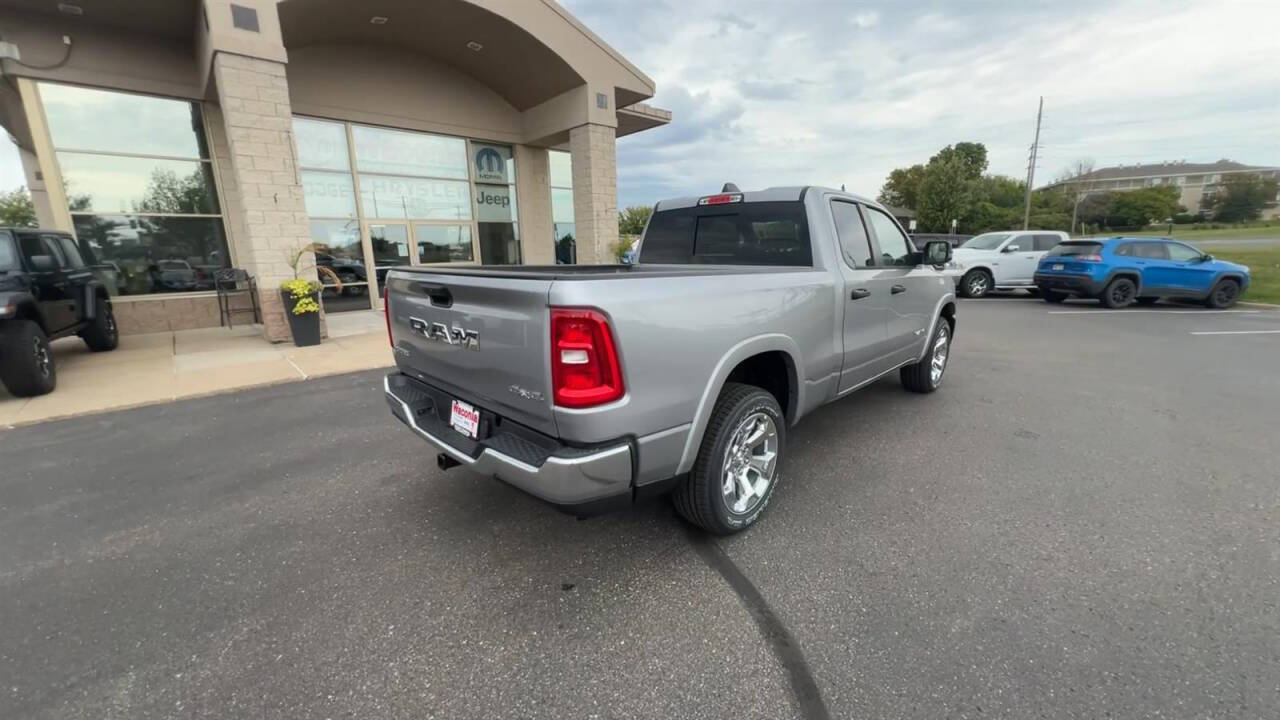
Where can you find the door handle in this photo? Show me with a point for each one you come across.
(898, 289)
(1139, 262)
(859, 294)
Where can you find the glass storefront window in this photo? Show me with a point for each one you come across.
(86, 119)
(137, 255)
(337, 247)
(443, 243)
(328, 194)
(561, 168)
(390, 247)
(121, 184)
(499, 244)
(400, 152)
(383, 196)
(138, 176)
(321, 145)
(562, 207)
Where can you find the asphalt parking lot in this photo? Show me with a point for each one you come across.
(1083, 522)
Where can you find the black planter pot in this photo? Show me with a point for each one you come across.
(305, 327)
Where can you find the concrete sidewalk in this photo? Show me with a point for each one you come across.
(161, 367)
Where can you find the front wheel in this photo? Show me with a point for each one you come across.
(1119, 293)
(26, 362)
(1224, 295)
(736, 471)
(926, 375)
(976, 284)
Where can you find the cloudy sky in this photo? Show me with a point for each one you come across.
(827, 92)
(841, 92)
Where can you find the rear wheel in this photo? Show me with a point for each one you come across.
(976, 283)
(26, 362)
(736, 471)
(926, 375)
(1052, 297)
(1119, 293)
(102, 334)
(1224, 295)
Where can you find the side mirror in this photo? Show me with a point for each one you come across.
(1206, 258)
(1011, 248)
(43, 263)
(937, 252)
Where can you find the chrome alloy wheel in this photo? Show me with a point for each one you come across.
(750, 461)
(938, 363)
(41, 353)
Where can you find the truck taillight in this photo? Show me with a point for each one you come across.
(584, 360)
(386, 313)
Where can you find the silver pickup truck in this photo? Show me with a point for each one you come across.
(593, 386)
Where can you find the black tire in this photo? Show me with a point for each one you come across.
(919, 377)
(1050, 296)
(26, 362)
(102, 334)
(1224, 294)
(1119, 293)
(976, 284)
(700, 498)
(1148, 301)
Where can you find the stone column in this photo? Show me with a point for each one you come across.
(533, 202)
(267, 217)
(595, 192)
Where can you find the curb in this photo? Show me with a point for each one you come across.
(1269, 306)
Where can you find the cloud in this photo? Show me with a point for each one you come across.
(866, 20)
(832, 93)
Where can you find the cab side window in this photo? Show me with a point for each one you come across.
(1182, 253)
(69, 251)
(1045, 243)
(895, 249)
(854, 243)
(33, 245)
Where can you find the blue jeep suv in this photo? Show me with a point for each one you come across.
(1120, 271)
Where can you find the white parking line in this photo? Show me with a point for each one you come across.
(1237, 332)
(1107, 313)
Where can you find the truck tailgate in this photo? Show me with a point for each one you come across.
(484, 339)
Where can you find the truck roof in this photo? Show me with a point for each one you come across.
(772, 194)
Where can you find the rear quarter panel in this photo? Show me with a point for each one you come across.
(678, 338)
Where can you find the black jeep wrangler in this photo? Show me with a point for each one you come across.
(46, 292)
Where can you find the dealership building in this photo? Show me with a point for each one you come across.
(178, 137)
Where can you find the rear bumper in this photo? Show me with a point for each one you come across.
(577, 480)
(1078, 284)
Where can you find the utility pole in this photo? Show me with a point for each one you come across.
(1031, 167)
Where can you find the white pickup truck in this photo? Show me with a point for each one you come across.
(1001, 260)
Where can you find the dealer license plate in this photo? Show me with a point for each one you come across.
(1058, 266)
(465, 419)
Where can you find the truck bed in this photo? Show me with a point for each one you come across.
(559, 273)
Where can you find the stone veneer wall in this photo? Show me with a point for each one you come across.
(595, 192)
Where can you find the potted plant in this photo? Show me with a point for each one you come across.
(301, 300)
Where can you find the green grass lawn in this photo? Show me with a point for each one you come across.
(1270, 231)
(1264, 271)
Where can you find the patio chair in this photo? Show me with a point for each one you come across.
(232, 283)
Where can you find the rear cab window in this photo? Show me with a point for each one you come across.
(748, 233)
(1073, 249)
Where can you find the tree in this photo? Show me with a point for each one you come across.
(1136, 208)
(944, 194)
(631, 220)
(168, 193)
(16, 208)
(1072, 181)
(1242, 197)
(972, 156)
(902, 187)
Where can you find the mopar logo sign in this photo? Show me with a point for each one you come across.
(491, 163)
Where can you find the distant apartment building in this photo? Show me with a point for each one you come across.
(1195, 181)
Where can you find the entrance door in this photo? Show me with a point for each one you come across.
(389, 242)
(342, 257)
